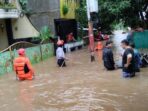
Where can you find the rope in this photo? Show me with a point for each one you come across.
(15, 44)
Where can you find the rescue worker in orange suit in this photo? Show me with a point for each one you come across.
(23, 67)
(99, 46)
(99, 49)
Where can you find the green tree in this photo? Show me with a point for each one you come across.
(113, 12)
(45, 33)
(81, 14)
(81, 17)
(23, 4)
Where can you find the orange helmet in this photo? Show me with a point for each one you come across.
(100, 45)
(21, 51)
(60, 42)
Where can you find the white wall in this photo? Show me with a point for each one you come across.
(22, 28)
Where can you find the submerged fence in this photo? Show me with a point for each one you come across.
(36, 53)
(141, 39)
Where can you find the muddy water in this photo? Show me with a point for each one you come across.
(82, 86)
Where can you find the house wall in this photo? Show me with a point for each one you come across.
(43, 13)
(3, 36)
(22, 28)
(72, 5)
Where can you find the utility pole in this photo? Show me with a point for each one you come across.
(92, 6)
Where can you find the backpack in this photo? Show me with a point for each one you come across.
(26, 69)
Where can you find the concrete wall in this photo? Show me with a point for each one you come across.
(43, 13)
(33, 53)
(3, 36)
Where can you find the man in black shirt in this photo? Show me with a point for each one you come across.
(108, 58)
(128, 62)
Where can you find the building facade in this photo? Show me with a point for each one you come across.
(17, 26)
(13, 25)
(43, 13)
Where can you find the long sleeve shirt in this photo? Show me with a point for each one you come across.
(60, 53)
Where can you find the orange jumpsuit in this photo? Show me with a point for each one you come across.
(99, 48)
(19, 64)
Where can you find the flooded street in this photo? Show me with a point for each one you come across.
(82, 86)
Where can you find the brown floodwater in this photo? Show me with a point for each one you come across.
(82, 86)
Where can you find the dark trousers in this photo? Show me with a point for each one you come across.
(109, 66)
(61, 63)
(92, 58)
(128, 75)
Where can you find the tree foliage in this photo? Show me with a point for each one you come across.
(45, 33)
(115, 11)
(81, 14)
(23, 4)
(81, 17)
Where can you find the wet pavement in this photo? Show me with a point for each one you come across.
(82, 86)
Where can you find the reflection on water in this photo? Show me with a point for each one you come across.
(82, 86)
(26, 96)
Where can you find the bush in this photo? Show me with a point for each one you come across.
(45, 33)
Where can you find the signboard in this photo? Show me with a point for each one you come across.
(93, 5)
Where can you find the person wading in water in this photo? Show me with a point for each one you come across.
(23, 67)
(60, 55)
(128, 62)
(108, 57)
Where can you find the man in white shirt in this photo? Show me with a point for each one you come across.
(60, 55)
